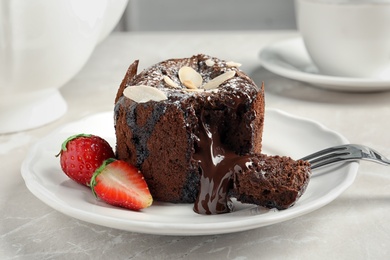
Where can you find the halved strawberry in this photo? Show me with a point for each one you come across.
(121, 184)
(82, 154)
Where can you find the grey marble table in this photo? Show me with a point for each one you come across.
(354, 226)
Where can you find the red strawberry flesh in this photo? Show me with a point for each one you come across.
(121, 184)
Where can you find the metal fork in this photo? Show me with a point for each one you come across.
(347, 152)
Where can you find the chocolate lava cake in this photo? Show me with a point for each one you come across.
(202, 122)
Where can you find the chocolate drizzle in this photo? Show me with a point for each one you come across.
(142, 132)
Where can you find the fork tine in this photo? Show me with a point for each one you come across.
(323, 152)
(328, 161)
(328, 157)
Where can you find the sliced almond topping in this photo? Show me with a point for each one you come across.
(210, 62)
(187, 75)
(189, 84)
(215, 82)
(170, 82)
(143, 93)
(233, 64)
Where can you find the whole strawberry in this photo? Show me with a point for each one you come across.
(82, 154)
(121, 184)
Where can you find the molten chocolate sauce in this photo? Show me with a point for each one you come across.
(218, 165)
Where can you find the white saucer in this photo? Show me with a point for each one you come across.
(284, 134)
(289, 58)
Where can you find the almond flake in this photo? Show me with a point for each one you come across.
(233, 64)
(143, 93)
(170, 82)
(215, 82)
(188, 74)
(210, 62)
(189, 84)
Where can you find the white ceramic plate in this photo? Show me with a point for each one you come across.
(284, 134)
(289, 58)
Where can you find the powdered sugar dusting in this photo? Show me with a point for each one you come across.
(165, 76)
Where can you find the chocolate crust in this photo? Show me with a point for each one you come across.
(130, 73)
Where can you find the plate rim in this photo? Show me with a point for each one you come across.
(349, 84)
(177, 228)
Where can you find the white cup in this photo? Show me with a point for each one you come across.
(43, 44)
(347, 38)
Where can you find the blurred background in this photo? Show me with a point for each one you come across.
(179, 15)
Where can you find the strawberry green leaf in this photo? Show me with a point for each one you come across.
(65, 143)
